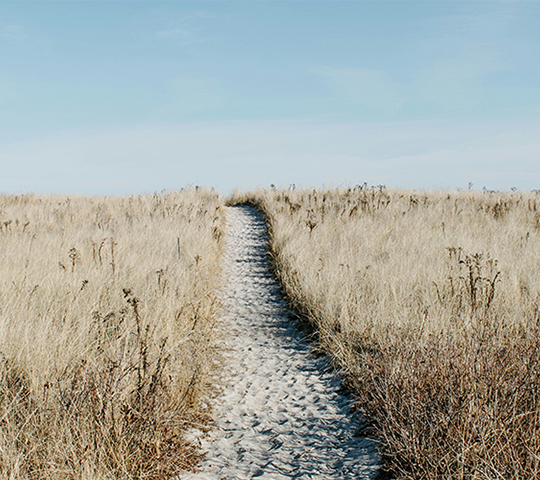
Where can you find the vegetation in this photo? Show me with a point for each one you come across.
(108, 311)
(430, 304)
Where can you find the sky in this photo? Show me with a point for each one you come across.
(127, 97)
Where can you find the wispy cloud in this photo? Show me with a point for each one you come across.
(185, 31)
(369, 88)
(482, 22)
(8, 91)
(24, 38)
(15, 34)
(472, 46)
(181, 36)
(191, 95)
(456, 81)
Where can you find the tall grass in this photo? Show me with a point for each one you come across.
(430, 303)
(107, 316)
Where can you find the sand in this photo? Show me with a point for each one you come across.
(280, 414)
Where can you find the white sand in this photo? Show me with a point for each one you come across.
(280, 414)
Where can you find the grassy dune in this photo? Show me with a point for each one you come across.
(430, 303)
(107, 315)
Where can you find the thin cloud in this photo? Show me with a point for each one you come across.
(180, 36)
(370, 88)
(188, 95)
(24, 38)
(456, 82)
(473, 46)
(184, 31)
(8, 92)
(15, 34)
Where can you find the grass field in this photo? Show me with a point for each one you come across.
(107, 316)
(430, 303)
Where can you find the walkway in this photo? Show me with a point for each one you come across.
(280, 415)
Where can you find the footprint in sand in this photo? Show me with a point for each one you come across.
(280, 415)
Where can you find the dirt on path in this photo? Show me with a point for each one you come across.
(280, 414)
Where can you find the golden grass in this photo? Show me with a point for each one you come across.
(108, 309)
(430, 303)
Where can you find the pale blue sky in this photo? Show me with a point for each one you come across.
(121, 97)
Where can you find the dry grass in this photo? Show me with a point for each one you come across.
(430, 303)
(108, 308)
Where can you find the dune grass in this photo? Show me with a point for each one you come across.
(430, 304)
(108, 309)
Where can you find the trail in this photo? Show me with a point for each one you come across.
(280, 415)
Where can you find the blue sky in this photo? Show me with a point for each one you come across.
(122, 97)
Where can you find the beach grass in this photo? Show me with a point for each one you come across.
(108, 313)
(429, 302)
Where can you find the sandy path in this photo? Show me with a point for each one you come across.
(280, 414)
